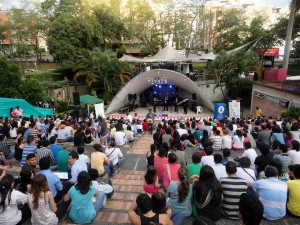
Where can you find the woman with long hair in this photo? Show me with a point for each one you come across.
(102, 130)
(41, 202)
(52, 130)
(13, 130)
(287, 135)
(204, 140)
(151, 184)
(207, 193)
(19, 148)
(170, 170)
(10, 199)
(84, 206)
(12, 113)
(238, 140)
(180, 194)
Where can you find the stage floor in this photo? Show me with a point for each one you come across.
(160, 114)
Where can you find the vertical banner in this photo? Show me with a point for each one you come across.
(220, 111)
(234, 108)
(99, 110)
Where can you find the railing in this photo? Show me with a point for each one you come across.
(291, 88)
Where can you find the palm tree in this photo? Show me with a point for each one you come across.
(102, 70)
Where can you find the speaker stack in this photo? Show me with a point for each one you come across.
(76, 98)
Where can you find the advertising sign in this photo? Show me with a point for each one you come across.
(220, 111)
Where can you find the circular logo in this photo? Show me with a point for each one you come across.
(221, 109)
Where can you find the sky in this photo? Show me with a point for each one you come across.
(280, 3)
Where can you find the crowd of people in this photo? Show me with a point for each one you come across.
(249, 187)
(212, 186)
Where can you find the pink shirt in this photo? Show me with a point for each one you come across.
(159, 163)
(173, 172)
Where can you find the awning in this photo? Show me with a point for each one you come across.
(89, 99)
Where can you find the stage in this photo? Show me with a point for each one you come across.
(167, 115)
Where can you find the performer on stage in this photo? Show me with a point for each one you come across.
(155, 101)
(185, 106)
(150, 120)
(166, 104)
(176, 104)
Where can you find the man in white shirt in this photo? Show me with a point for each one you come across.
(250, 153)
(62, 133)
(69, 131)
(120, 137)
(77, 166)
(208, 159)
(181, 130)
(129, 117)
(219, 168)
(114, 155)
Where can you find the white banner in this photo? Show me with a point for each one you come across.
(234, 109)
(99, 110)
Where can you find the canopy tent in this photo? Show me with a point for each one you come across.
(7, 103)
(169, 54)
(89, 100)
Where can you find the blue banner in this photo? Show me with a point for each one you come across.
(220, 111)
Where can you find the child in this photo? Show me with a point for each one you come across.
(41, 202)
(226, 156)
(151, 184)
(82, 156)
(105, 186)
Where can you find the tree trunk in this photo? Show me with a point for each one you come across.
(289, 35)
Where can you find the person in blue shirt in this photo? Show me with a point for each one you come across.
(54, 147)
(83, 208)
(198, 134)
(53, 180)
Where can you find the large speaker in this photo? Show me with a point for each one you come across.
(76, 98)
(194, 96)
(233, 91)
(129, 96)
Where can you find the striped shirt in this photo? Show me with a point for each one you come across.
(273, 195)
(5, 147)
(45, 152)
(232, 188)
(26, 151)
(216, 142)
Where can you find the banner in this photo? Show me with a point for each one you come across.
(99, 110)
(234, 108)
(220, 111)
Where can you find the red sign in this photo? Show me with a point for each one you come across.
(269, 52)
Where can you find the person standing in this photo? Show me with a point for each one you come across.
(150, 120)
(258, 112)
(19, 112)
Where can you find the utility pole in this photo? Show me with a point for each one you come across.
(289, 35)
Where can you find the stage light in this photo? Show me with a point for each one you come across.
(170, 86)
(156, 85)
(154, 92)
(159, 86)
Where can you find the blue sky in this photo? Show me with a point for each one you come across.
(280, 3)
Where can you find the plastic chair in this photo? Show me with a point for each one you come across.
(199, 109)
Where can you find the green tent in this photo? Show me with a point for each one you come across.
(89, 99)
(7, 103)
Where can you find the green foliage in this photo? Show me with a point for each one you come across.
(291, 112)
(62, 107)
(74, 30)
(227, 68)
(102, 71)
(14, 85)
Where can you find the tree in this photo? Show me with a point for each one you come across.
(228, 67)
(102, 71)
(74, 30)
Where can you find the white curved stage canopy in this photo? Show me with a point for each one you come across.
(140, 83)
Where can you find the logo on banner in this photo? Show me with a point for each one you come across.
(220, 111)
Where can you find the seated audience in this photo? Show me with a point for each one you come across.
(105, 186)
(250, 210)
(63, 157)
(272, 194)
(208, 159)
(82, 156)
(29, 148)
(293, 205)
(195, 167)
(159, 161)
(294, 154)
(83, 208)
(170, 170)
(54, 147)
(114, 155)
(219, 168)
(151, 184)
(100, 162)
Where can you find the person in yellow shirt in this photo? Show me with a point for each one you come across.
(258, 112)
(100, 162)
(293, 206)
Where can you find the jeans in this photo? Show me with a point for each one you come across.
(121, 161)
(100, 199)
(11, 155)
(108, 167)
(178, 218)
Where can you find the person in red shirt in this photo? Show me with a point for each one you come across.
(145, 125)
